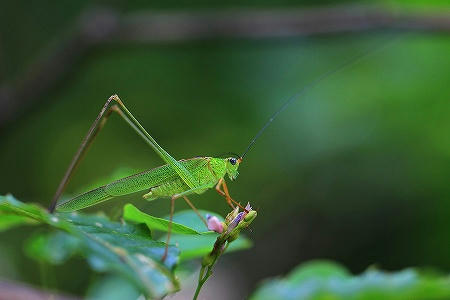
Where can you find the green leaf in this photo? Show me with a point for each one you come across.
(124, 249)
(185, 223)
(131, 213)
(55, 248)
(317, 269)
(199, 246)
(8, 221)
(190, 219)
(320, 280)
(112, 288)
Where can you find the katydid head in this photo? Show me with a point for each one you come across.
(232, 165)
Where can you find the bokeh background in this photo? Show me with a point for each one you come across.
(356, 170)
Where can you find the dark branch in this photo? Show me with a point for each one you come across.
(105, 26)
(157, 27)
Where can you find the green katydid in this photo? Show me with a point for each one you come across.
(175, 179)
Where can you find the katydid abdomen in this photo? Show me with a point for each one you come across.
(162, 181)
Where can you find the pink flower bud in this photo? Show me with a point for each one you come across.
(214, 224)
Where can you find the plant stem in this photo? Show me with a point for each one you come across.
(203, 277)
(201, 281)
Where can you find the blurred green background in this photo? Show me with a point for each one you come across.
(357, 170)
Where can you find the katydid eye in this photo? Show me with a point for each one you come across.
(233, 161)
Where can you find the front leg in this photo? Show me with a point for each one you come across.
(226, 194)
(222, 193)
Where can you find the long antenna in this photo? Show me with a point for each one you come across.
(309, 86)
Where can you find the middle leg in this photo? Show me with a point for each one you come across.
(172, 208)
(195, 210)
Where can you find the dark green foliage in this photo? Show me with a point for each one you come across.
(108, 246)
(53, 248)
(126, 249)
(324, 280)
